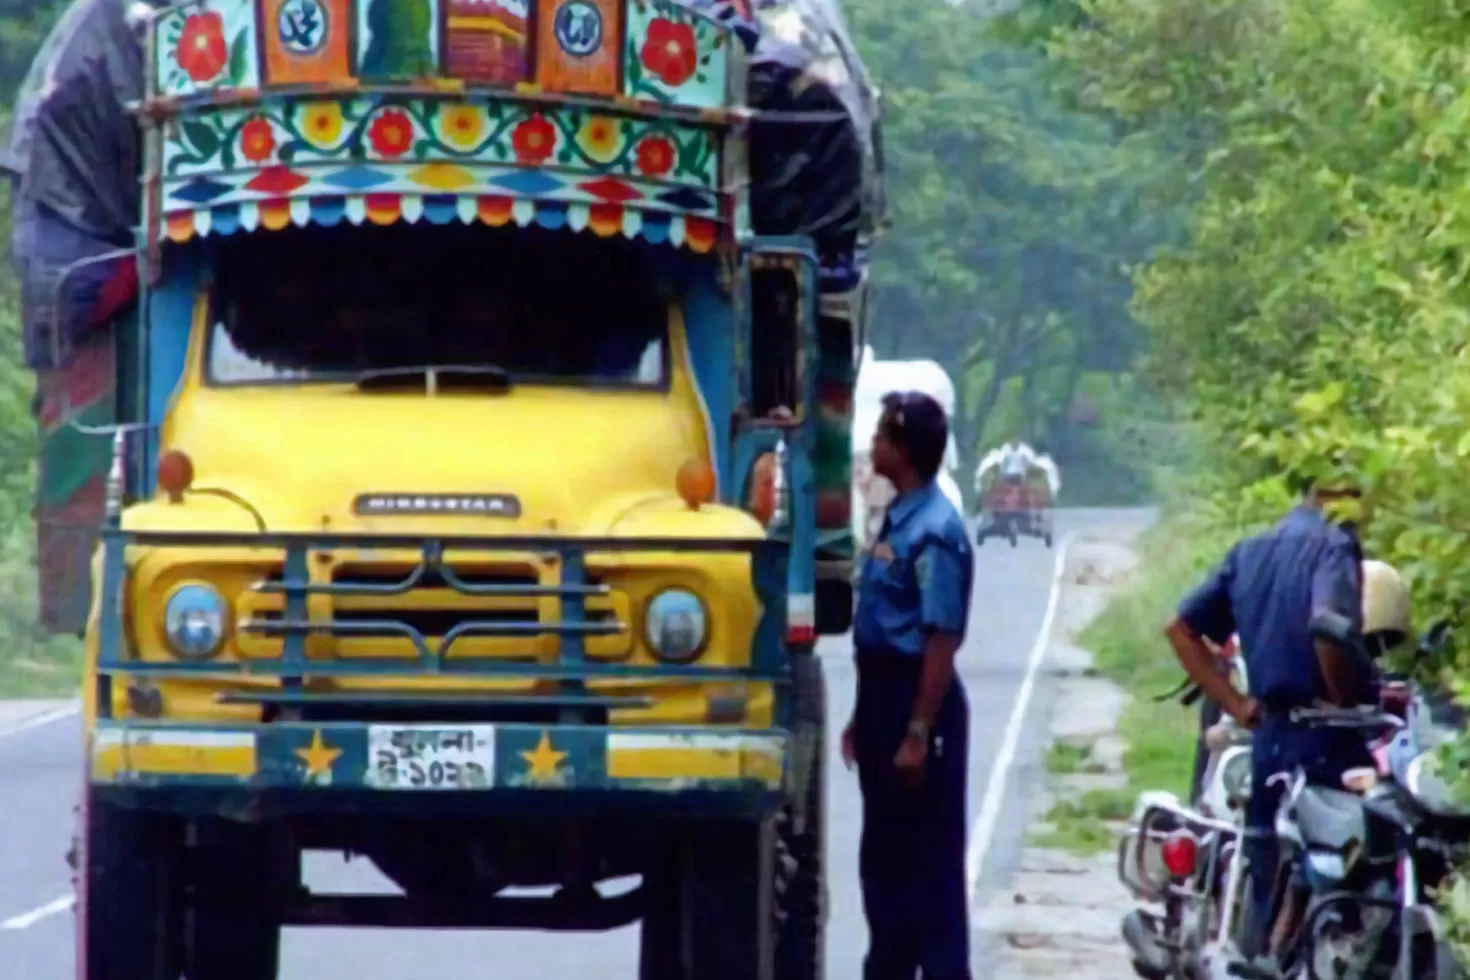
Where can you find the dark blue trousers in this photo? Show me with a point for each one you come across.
(1280, 747)
(912, 857)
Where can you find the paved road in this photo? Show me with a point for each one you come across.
(39, 779)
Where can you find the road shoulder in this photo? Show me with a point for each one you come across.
(1058, 912)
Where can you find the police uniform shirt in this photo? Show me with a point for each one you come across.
(1275, 590)
(916, 578)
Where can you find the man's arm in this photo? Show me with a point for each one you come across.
(1208, 612)
(1203, 668)
(1337, 627)
(943, 571)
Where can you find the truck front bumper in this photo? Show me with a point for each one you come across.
(302, 766)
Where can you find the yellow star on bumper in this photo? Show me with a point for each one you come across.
(545, 761)
(318, 756)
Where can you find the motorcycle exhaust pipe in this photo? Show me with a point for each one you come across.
(1149, 956)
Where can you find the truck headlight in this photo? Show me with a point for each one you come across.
(194, 621)
(676, 626)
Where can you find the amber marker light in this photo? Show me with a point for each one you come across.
(696, 483)
(175, 474)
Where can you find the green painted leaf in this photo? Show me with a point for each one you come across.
(201, 136)
(239, 67)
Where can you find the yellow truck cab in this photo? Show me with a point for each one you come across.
(454, 470)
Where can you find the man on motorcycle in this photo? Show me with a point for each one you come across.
(1293, 597)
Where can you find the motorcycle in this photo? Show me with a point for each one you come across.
(1185, 858)
(1374, 852)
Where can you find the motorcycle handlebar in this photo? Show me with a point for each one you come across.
(1358, 718)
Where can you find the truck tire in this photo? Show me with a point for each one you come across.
(127, 916)
(234, 920)
(801, 853)
(744, 900)
(709, 913)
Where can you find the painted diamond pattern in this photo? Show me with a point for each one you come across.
(686, 199)
(201, 190)
(357, 178)
(528, 182)
(611, 189)
(277, 180)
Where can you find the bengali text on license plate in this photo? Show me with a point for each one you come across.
(431, 757)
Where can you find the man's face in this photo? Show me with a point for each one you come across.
(888, 459)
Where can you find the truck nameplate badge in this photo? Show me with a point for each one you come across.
(437, 504)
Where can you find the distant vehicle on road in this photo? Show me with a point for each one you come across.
(1016, 486)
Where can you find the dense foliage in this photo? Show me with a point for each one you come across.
(1015, 219)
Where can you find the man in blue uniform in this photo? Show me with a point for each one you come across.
(909, 733)
(1293, 594)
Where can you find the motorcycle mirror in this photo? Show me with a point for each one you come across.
(1436, 638)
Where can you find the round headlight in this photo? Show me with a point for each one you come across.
(1236, 776)
(1425, 779)
(676, 625)
(194, 621)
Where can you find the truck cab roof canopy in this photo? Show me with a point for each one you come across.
(788, 66)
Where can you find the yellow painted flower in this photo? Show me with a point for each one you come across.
(462, 126)
(600, 138)
(321, 123)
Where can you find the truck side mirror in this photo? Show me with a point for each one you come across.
(778, 280)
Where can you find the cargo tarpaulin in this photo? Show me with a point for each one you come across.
(815, 151)
(73, 158)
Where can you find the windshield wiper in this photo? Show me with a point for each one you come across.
(432, 379)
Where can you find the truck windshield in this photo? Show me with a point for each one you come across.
(335, 304)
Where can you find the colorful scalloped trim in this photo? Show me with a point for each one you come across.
(605, 220)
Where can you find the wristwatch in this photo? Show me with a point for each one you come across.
(919, 730)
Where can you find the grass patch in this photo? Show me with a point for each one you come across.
(33, 663)
(1082, 825)
(1129, 649)
(1064, 759)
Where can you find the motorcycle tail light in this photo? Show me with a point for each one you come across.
(1180, 853)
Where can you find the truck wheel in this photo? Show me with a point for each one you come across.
(127, 916)
(234, 929)
(709, 914)
(800, 873)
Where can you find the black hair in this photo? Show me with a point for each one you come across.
(915, 422)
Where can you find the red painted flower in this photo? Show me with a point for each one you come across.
(391, 133)
(201, 51)
(655, 156)
(257, 140)
(669, 51)
(533, 140)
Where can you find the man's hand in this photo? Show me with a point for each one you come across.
(849, 747)
(1247, 712)
(910, 760)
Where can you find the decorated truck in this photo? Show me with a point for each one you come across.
(445, 412)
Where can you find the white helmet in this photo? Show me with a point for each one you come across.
(1385, 605)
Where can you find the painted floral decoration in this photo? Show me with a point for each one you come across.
(462, 126)
(670, 52)
(321, 123)
(600, 138)
(655, 156)
(257, 140)
(533, 140)
(391, 134)
(202, 52)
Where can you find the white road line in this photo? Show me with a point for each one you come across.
(995, 790)
(45, 718)
(28, 919)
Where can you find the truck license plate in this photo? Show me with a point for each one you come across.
(427, 757)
